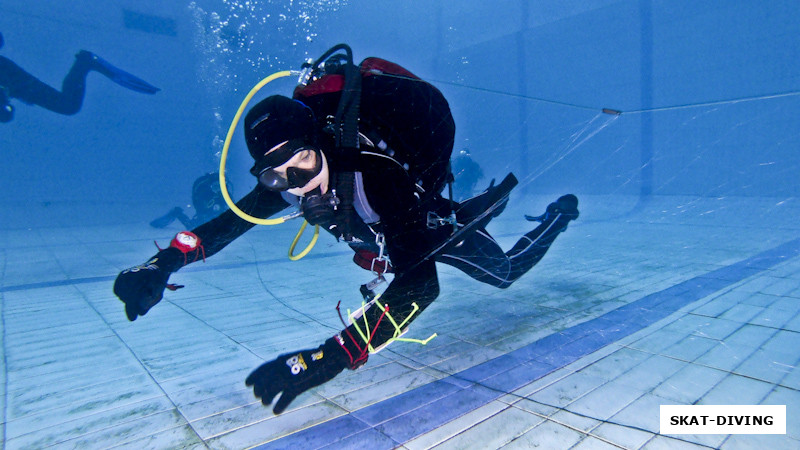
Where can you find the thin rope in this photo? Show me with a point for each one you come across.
(718, 102)
(511, 94)
(615, 111)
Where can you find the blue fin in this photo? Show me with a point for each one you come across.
(118, 75)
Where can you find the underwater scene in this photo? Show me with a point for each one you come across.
(400, 224)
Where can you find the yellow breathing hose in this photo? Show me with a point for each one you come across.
(297, 238)
(224, 157)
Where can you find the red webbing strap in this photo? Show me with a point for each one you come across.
(325, 85)
(372, 66)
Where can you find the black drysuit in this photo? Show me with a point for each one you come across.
(15, 82)
(414, 120)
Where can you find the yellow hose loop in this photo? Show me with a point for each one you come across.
(297, 238)
(226, 146)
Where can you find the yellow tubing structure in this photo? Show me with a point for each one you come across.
(223, 158)
(226, 146)
(297, 238)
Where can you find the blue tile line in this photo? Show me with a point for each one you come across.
(193, 268)
(421, 410)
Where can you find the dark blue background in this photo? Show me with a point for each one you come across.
(526, 81)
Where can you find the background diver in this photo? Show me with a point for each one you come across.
(388, 184)
(16, 83)
(466, 173)
(207, 201)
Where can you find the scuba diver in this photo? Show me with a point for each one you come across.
(466, 173)
(367, 160)
(16, 83)
(207, 201)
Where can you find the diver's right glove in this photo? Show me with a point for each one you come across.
(142, 287)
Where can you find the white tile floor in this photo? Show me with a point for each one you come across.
(77, 374)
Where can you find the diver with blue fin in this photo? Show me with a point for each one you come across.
(16, 83)
(363, 152)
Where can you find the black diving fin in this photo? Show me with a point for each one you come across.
(167, 218)
(492, 203)
(117, 75)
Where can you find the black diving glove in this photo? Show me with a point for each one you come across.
(142, 287)
(295, 373)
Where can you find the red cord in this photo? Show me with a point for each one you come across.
(364, 352)
(349, 355)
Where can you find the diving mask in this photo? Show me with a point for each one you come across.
(270, 177)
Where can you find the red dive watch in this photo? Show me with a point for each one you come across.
(188, 242)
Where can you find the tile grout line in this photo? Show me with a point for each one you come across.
(133, 353)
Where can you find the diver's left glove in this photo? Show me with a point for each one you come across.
(297, 372)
